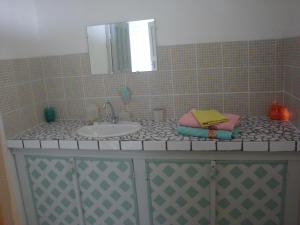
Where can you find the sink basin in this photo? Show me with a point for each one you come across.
(109, 130)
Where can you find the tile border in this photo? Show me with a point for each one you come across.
(152, 145)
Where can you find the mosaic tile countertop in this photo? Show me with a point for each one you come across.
(252, 129)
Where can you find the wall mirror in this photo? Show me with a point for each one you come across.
(123, 47)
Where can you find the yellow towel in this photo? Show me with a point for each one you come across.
(208, 118)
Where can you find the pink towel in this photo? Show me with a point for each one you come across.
(189, 120)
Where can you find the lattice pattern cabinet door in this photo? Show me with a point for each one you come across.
(250, 193)
(108, 191)
(53, 192)
(179, 192)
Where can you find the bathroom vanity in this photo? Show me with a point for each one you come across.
(155, 176)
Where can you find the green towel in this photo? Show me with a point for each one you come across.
(204, 133)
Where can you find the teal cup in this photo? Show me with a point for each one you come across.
(49, 114)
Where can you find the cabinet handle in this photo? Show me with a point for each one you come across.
(213, 170)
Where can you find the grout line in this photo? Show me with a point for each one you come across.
(197, 74)
(172, 82)
(223, 86)
(248, 77)
(293, 96)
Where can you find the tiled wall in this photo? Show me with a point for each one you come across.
(239, 77)
(292, 77)
(22, 94)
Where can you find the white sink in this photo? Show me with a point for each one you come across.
(103, 130)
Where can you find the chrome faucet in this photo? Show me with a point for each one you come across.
(113, 118)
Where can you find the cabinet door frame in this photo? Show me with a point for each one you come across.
(131, 174)
(178, 162)
(292, 203)
(248, 163)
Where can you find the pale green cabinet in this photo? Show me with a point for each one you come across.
(250, 192)
(216, 192)
(77, 191)
(53, 191)
(107, 191)
(179, 192)
(110, 191)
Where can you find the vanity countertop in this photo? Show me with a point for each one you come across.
(256, 132)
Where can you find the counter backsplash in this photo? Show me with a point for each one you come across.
(242, 77)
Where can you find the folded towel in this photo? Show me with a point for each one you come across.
(189, 120)
(206, 133)
(208, 118)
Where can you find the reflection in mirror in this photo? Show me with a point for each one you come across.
(123, 47)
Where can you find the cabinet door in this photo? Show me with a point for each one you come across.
(107, 191)
(179, 192)
(250, 192)
(53, 192)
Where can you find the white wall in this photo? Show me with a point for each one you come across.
(62, 23)
(18, 29)
(293, 27)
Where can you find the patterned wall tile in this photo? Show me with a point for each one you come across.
(52, 66)
(71, 65)
(281, 52)
(28, 117)
(165, 102)
(279, 79)
(11, 123)
(9, 99)
(94, 86)
(184, 71)
(293, 51)
(7, 73)
(209, 55)
(22, 70)
(262, 78)
(39, 91)
(211, 101)
(235, 54)
(137, 83)
(39, 110)
(262, 53)
(260, 102)
(113, 84)
(292, 81)
(60, 107)
(25, 94)
(236, 103)
(139, 107)
(55, 88)
(98, 102)
(183, 57)
(117, 104)
(73, 87)
(293, 105)
(236, 79)
(184, 103)
(85, 64)
(185, 82)
(36, 70)
(6, 66)
(75, 109)
(160, 83)
(164, 58)
(210, 80)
